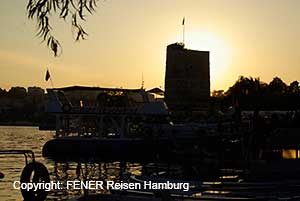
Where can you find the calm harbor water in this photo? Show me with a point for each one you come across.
(12, 165)
(33, 139)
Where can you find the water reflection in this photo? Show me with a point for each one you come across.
(11, 165)
(33, 139)
(290, 154)
(84, 171)
(95, 170)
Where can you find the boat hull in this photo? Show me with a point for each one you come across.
(72, 148)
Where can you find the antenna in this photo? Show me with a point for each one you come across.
(142, 81)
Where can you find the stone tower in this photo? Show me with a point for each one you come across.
(187, 79)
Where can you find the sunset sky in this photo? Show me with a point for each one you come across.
(128, 38)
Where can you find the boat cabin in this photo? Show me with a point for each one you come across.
(102, 111)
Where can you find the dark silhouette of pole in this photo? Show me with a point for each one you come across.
(183, 29)
(143, 82)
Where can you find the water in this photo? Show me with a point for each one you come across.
(12, 165)
(33, 139)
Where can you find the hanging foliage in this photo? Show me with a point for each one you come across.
(74, 10)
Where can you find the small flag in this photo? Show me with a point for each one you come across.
(183, 21)
(47, 75)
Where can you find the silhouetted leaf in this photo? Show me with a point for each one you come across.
(41, 11)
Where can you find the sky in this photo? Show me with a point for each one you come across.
(127, 42)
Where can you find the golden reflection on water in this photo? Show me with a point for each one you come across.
(217, 192)
(290, 154)
(12, 165)
(33, 139)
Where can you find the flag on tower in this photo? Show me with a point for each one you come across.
(47, 75)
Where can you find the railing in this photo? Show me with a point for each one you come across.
(27, 154)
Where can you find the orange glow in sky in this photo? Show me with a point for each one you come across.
(220, 53)
(128, 39)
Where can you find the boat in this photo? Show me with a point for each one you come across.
(115, 124)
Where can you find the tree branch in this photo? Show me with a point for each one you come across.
(40, 10)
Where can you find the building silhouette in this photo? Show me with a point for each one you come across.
(187, 79)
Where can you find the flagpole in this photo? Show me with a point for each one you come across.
(51, 82)
(183, 29)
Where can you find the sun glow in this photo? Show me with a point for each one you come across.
(220, 53)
